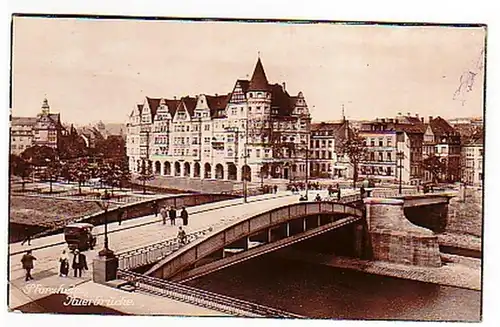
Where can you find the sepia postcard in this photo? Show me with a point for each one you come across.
(246, 168)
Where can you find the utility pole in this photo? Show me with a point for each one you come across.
(400, 155)
(247, 172)
(307, 171)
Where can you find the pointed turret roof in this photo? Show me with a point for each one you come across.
(259, 79)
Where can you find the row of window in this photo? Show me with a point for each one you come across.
(378, 142)
(321, 143)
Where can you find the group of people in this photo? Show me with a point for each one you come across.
(79, 263)
(171, 213)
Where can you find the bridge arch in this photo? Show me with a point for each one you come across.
(208, 171)
(157, 167)
(325, 216)
(167, 169)
(197, 169)
(187, 169)
(231, 171)
(219, 171)
(177, 168)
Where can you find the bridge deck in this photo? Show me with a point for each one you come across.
(143, 231)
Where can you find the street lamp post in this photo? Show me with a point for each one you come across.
(307, 172)
(104, 203)
(400, 156)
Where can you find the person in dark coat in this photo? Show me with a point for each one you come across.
(27, 232)
(275, 189)
(79, 263)
(63, 264)
(155, 208)
(172, 213)
(184, 216)
(338, 194)
(121, 216)
(27, 261)
(164, 213)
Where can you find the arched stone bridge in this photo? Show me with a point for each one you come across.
(255, 235)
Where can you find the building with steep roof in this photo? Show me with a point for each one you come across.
(257, 130)
(45, 129)
(325, 157)
(443, 141)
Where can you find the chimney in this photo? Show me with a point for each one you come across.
(430, 118)
(416, 114)
(175, 98)
(422, 119)
(216, 95)
(409, 114)
(284, 86)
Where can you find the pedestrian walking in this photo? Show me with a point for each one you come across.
(27, 237)
(181, 235)
(64, 264)
(27, 261)
(79, 263)
(172, 213)
(155, 208)
(318, 198)
(122, 216)
(184, 216)
(275, 189)
(164, 214)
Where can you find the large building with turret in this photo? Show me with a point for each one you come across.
(257, 130)
(43, 130)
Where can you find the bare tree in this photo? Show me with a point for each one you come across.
(354, 148)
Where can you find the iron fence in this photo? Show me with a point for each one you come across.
(152, 253)
(202, 298)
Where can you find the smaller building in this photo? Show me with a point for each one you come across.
(394, 149)
(472, 161)
(48, 129)
(325, 160)
(45, 129)
(443, 141)
(21, 134)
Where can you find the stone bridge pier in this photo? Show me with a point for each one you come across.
(393, 238)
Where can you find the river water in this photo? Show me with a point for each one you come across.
(319, 291)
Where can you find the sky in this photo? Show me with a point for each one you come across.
(93, 70)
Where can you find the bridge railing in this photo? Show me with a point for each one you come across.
(152, 253)
(389, 193)
(202, 298)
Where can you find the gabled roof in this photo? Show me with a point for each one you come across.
(282, 100)
(153, 105)
(190, 104)
(217, 103)
(245, 84)
(441, 127)
(418, 128)
(259, 79)
(172, 105)
(23, 120)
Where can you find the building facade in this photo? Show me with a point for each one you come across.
(325, 158)
(394, 149)
(21, 134)
(256, 131)
(44, 130)
(472, 158)
(443, 141)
